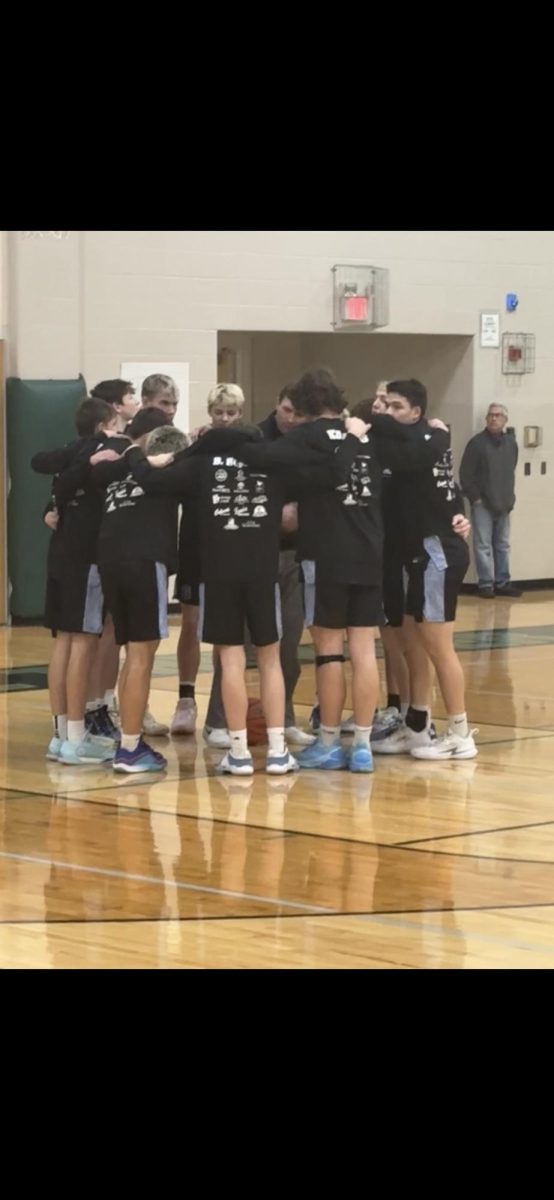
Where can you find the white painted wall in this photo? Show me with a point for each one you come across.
(101, 297)
(3, 284)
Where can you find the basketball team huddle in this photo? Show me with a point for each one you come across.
(347, 522)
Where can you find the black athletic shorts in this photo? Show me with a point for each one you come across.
(331, 605)
(136, 597)
(75, 601)
(435, 580)
(225, 609)
(395, 583)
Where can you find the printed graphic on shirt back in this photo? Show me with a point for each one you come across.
(239, 496)
(443, 473)
(123, 494)
(357, 492)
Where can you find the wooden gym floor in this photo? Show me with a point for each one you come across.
(421, 866)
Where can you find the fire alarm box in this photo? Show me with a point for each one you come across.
(518, 353)
(354, 307)
(360, 297)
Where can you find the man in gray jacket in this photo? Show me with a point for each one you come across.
(487, 476)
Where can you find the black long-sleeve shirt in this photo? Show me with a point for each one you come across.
(342, 530)
(51, 462)
(272, 433)
(419, 503)
(134, 526)
(78, 501)
(237, 509)
(233, 514)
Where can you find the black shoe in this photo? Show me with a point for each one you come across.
(485, 593)
(93, 724)
(107, 727)
(509, 589)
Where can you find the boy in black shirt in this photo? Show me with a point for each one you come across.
(225, 408)
(239, 521)
(137, 550)
(279, 424)
(74, 600)
(122, 397)
(340, 549)
(429, 509)
(161, 391)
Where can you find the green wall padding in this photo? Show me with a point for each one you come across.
(40, 416)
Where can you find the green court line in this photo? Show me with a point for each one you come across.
(35, 678)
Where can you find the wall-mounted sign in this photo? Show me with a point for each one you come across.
(490, 330)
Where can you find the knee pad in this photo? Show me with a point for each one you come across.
(326, 660)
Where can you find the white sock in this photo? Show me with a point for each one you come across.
(329, 735)
(60, 728)
(109, 699)
(459, 725)
(404, 711)
(362, 735)
(130, 742)
(276, 739)
(239, 743)
(76, 732)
